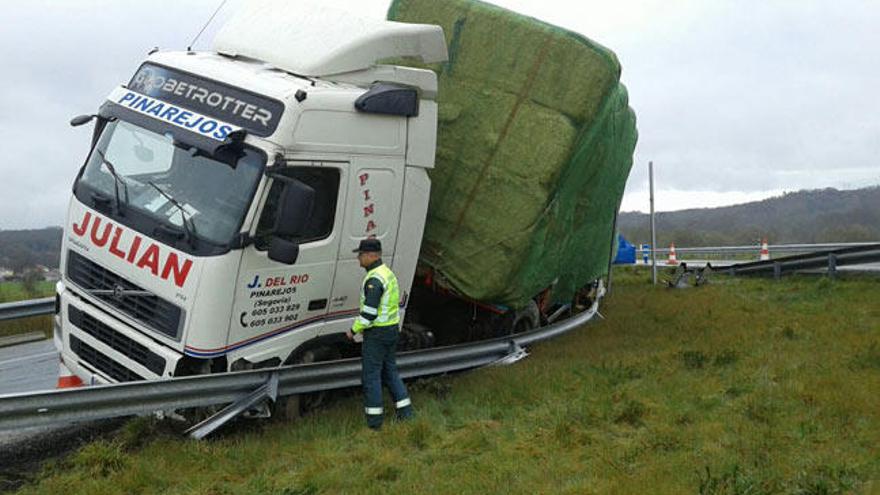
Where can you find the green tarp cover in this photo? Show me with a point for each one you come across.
(534, 148)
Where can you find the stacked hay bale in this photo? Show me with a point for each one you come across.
(535, 144)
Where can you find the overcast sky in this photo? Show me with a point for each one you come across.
(736, 100)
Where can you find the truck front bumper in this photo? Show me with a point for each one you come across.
(99, 348)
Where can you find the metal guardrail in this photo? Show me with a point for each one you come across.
(246, 388)
(830, 259)
(756, 248)
(25, 309)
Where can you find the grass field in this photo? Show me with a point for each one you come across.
(740, 387)
(15, 291)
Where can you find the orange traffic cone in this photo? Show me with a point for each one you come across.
(672, 260)
(66, 379)
(765, 251)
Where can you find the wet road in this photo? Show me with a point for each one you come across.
(868, 267)
(28, 367)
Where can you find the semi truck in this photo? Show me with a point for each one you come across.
(212, 225)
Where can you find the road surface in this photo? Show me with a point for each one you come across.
(28, 367)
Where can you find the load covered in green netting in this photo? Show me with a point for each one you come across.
(535, 144)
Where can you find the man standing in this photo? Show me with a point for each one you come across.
(379, 322)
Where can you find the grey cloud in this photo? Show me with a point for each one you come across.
(758, 96)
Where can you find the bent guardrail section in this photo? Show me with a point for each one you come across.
(126, 399)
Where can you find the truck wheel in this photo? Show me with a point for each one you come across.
(527, 318)
(295, 406)
(414, 336)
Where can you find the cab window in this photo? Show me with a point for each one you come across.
(325, 182)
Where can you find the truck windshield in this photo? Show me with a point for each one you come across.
(160, 184)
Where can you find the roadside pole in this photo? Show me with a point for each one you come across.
(653, 226)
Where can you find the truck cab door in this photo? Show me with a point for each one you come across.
(274, 299)
(375, 188)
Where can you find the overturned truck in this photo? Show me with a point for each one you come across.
(212, 224)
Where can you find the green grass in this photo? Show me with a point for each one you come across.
(15, 291)
(740, 387)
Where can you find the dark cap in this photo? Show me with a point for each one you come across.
(369, 246)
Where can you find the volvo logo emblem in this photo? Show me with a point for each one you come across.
(118, 292)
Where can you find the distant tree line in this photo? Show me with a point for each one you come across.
(23, 249)
(814, 216)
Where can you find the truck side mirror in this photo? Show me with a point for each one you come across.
(81, 120)
(283, 251)
(294, 211)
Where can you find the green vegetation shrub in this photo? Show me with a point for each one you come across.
(868, 358)
(731, 481)
(726, 357)
(100, 459)
(631, 412)
(694, 360)
(825, 480)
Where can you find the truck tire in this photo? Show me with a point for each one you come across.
(292, 407)
(414, 336)
(526, 318)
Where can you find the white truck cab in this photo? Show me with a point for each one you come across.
(212, 225)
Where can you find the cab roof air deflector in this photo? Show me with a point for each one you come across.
(319, 41)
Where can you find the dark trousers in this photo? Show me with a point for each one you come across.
(380, 367)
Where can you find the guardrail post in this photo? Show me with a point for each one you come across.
(832, 265)
(269, 391)
(777, 270)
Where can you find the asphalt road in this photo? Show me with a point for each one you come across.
(867, 267)
(28, 367)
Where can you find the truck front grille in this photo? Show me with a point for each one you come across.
(115, 340)
(103, 363)
(151, 310)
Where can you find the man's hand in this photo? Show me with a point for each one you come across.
(349, 335)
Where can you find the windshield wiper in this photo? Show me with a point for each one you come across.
(189, 229)
(116, 180)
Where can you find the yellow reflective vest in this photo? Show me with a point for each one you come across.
(388, 312)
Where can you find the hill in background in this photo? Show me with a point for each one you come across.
(815, 216)
(21, 249)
